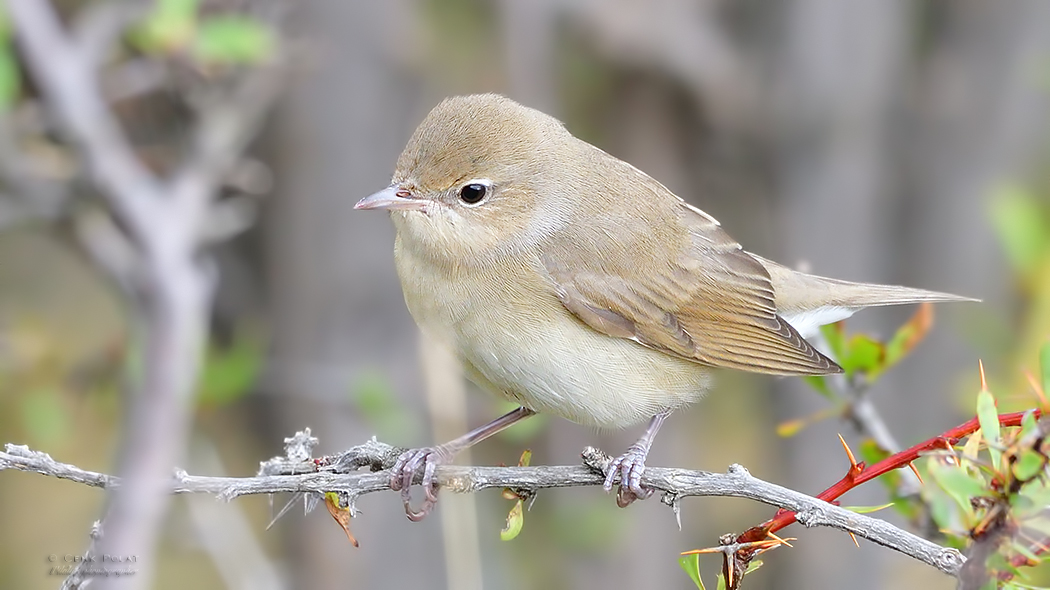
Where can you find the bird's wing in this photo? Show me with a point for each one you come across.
(712, 303)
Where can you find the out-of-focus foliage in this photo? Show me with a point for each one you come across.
(232, 39)
(1021, 218)
(1022, 222)
(990, 496)
(179, 27)
(993, 488)
(230, 371)
(10, 81)
(863, 358)
(379, 407)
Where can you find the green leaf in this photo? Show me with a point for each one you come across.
(1021, 225)
(988, 416)
(1020, 504)
(958, 483)
(691, 565)
(863, 354)
(515, 522)
(820, 384)
(168, 28)
(910, 506)
(835, 336)
(5, 22)
(1036, 496)
(1029, 424)
(233, 40)
(10, 82)
(1028, 465)
(177, 8)
(941, 510)
(909, 335)
(871, 452)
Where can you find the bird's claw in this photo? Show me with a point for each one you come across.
(405, 470)
(629, 466)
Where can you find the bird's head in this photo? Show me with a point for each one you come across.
(479, 177)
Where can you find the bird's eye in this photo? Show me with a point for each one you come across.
(473, 193)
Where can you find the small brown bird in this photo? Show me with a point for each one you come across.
(572, 283)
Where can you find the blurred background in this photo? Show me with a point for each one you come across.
(895, 141)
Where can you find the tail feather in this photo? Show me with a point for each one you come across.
(857, 295)
(809, 301)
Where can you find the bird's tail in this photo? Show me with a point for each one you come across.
(809, 301)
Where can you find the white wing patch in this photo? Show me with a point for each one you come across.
(808, 322)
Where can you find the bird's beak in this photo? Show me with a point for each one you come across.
(392, 197)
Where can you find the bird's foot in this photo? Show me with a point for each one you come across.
(404, 471)
(630, 466)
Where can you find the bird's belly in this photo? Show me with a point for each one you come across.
(567, 369)
(516, 340)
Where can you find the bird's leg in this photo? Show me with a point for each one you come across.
(631, 465)
(430, 457)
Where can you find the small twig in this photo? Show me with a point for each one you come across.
(76, 579)
(893, 462)
(225, 127)
(678, 483)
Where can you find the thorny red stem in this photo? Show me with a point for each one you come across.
(861, 473)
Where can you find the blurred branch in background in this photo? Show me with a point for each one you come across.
(447, 404)
(162, 213)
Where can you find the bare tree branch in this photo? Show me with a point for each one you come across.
(338, 473)
(66, 74)
(164, 222)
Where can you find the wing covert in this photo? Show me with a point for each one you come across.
(713, 303)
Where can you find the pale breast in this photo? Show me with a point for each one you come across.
(516, 340)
